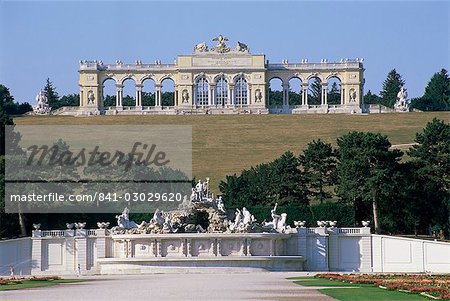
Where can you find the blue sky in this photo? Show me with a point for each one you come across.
(47, 39)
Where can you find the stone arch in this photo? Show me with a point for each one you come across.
(201, 89)
(146, 77)
(168, 92)
(221, 89)
(129, 92)
(108, 92)
(275, 91)
(334, 90)
(236, 76)
(148, 91)
(315, 75)
(314, 90)
(241, 90)
(127, 77)
(295, 91)
(202, 74)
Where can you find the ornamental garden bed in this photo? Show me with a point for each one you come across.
(431, 286)
(8, 283)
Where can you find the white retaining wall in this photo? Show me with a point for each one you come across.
(16, 253)
(324, 249)
(398, 254)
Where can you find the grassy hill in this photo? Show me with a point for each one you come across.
(224, 145)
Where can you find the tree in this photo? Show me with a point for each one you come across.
(431, 161)
(9, 106)
(391, 86)
(315, 92)
(70, 100)
(437, 94)
(371, 98)
(278, 181)
(319, 165)
(51, 94)
(366, 170)
(334, 95)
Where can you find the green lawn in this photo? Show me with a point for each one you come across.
(354, 291)
(38, 283)
(226, 144)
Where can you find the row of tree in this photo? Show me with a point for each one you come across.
(435, 98)
(400, 196)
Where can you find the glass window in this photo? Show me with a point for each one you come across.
(201, 91)
(240, 91)
(221, 91)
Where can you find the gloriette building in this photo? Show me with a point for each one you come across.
(222, 80)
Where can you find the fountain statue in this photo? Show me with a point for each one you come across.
(201, 213)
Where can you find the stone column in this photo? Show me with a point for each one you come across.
(212, 100)
(100, 235)
(285, 94)
(69, 236)
(366, 250)
(119, 95)
(305, 94)
(231, 94)
(80, 247)
(342, 95)
(323, 98)
(36, 253)
(158, 95)
(138, 96)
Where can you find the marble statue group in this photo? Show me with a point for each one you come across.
(201, 213)
(42, 107)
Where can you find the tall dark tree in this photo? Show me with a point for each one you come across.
(371, 98)
(391, 86)
(315, 92)
(319, 165)
(431, 160)
(278, 181)
(366, 170)
(437, 94)
(334, 95)
(51, 94)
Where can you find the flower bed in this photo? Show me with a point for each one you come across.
(437, 286)
(17, 280)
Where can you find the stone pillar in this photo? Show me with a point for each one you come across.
(231, 94)
(248, 243)
(321, 245)
(305, 94)
(36, 253)
(342, 95)
(158, 95)
(139, 96)
(366, 250)
(285, 94)
(70, 250)
(301, 241)
(100, 235)
(212, 95)
(218, 248)
(80, 247)
(324, 93)
(119, 96)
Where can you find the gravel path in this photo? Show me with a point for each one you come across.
(218, 286)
